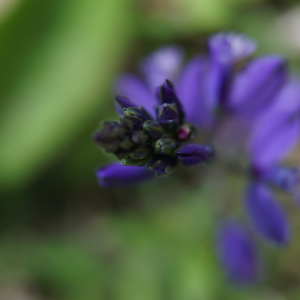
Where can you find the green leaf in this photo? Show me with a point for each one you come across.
(61, 85)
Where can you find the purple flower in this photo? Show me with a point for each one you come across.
(285, 178)
(273, 136)
(266, 215)
(236, 100)
(140, 141)
(237, 253)
(116, 175)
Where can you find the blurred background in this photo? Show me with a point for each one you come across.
(62, 236)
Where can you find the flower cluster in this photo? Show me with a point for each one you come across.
(158, 144)
(250, 109)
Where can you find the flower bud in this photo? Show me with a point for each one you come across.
(168, 95)
(121, 154)
(154, 129)
(133, 111)
(107, 134)
(162, 165)
(131, 123)
(237, 253)
(129, 161)
(165, 146)
(167, 116)
(141, 151)
(121, 103)
(193, 154)
(127, 143)
(111, 147)
(186, 132)
(139, 136)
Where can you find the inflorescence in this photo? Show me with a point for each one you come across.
(249, 108)
(160, 144)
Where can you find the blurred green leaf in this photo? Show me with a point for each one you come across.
(59, 89)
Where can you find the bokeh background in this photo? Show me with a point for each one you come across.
(63, 237)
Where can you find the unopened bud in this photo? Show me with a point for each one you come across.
(168, 95)
(121, 103)
(139, 136)
(135, 162)
(133, 111)
(162, 165)
(193, 154)
(167, 116)
(165, 146)
(141, 151)
(154, 129)
(127, 143)
(121, 154)
(131, 123)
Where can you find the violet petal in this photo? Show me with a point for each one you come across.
(121, 103)
(168, 95)
(254, 88)
(237, 253)
(225, 49)
(115, 175)
(273, 136)
(164, 63)
(285, 178)
(231, 47)
(190, 90)
(194, 154)
(134, 89)
(266, 215)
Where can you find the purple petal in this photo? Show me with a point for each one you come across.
(193, 154)
(134, 89)
(115, 175)
(121, 103)
(288, 179)
(168, 95)
(266, 215)
(165, 63)
(162, 165)
(288, 99)
(231, 47)
(224, 50)
(272, 138)
(237, 253)
(255, 87)
(190, 90)
(167, 115)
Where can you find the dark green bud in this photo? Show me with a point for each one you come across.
(108, 133)
(127, 143)
(131, 123)
(135, 162)
(167, 116)
(111, 147)
(162, 165)
(121, 154)
(139, 136)
(154, 129)
(141, 151)
(133, 111)
(165, 146)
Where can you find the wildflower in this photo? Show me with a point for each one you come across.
(237, 252)
(138, 140)
(237, 101)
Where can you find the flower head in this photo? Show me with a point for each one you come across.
(139, 140)
(236, 100)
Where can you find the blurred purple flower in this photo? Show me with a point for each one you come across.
(117, 175)
(237, 253)
(236, 100)
(266, 215)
